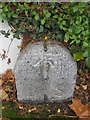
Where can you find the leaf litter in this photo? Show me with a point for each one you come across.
(78, 108)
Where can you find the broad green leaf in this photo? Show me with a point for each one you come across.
(26, 5)
(75, 9)
(45, 12)
(85, 54)
(65, 6)
(0, 11)
(67, 36)
(3, 15)
(41, 28)
(70, 30)
(55, 16)
(36, 17)
(33, 13)
(88, 62)
(5, 9)
(85, 44)
(48, 15)
(0, 18)
(77, 41)
(63, 22)
(72, 42)
(43, 21)
(14, 15)
(76, 29)
(78, 56)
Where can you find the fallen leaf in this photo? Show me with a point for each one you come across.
(21, 107)
(33, 109)
(29, 110)
(84, 87)
(81, 110)
(32, 41)
(20, 46)
(59, 43)
(77, 87)
(3, 107)
(3, 95)
(8, 75)
(51, 42)
(1, 83)
(58, 111)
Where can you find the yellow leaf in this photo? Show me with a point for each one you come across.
(65, 40)
(46, 38)
(58, 111)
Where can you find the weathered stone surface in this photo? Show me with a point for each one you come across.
(45, 76)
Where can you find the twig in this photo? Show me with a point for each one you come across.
(9, 46)
(63, 116)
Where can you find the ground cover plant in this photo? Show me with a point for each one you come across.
(68, 23)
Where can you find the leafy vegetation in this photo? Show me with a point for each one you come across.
(65, 22)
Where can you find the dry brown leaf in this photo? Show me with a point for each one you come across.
(77, 87)
(32, 41)
(1, 83)
(51, 42)
(3, 95)
(20, 46)
(8, 75)
(59, 43)
(81, 110)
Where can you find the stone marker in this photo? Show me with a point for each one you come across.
(45, 76)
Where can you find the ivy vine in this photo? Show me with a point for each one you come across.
(65, 22)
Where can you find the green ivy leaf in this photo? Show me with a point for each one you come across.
(63, 22)
(76, 29)
(85, 44)
(65, 6)
(78, 41)
(88, 62)
(48, 15)
(33, 13)
(37, 17)
(55, 16)
(0, 18)
(67, 36)
(43, 21)
(85, 54)
(14, 15)
(78, 56)
(5, 9)
(26, 5)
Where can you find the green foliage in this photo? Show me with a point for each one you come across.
(65, 22)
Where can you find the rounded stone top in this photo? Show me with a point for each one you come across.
(45, 76)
